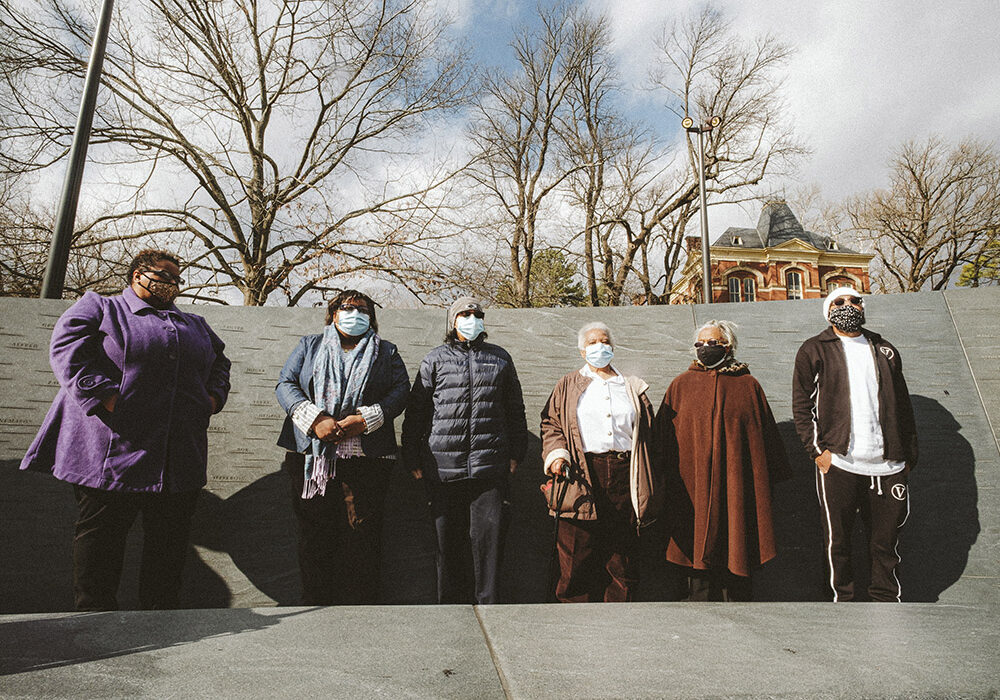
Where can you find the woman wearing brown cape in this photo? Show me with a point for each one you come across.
(723, 453)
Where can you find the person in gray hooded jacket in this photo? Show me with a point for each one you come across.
(464, 432)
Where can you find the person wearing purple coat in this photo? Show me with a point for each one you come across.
(139, 380)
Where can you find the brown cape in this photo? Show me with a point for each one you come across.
(723, 451)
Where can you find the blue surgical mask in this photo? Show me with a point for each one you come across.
(469, 326)
(599, 354)
(353, 323)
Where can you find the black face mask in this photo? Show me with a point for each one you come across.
(847, 318)
(711, 355)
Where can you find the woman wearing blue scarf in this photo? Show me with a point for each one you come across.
(341, 390)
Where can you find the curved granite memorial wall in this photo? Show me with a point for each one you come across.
(243, 548)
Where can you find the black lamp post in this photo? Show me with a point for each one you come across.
(706, 269)
(62, 236)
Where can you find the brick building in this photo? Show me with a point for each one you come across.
(776, 260)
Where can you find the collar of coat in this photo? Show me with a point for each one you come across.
(137, 305)
(733, 368)
(830, 334)
(638, 385)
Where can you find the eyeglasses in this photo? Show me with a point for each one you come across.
(354, 307)
(164, 276)
(711, 343)
(840, 301)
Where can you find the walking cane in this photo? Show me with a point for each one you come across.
(554, 559)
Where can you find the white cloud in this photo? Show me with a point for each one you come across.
(865, 77)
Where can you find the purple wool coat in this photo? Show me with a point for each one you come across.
(164, 364)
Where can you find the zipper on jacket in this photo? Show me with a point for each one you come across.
(468, 424)
(878, 394)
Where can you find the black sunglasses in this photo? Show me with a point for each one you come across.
(164, 276)
(470, 312)
(840, 301)
(354, 307)
(711, 343)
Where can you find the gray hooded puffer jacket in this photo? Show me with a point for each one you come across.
(465, 415)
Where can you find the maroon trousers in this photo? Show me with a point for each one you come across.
(598, 559)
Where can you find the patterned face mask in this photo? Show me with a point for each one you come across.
(847, 318)
(165, 292)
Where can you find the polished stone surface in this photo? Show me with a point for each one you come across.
(640, 650)
(415, 652)
(815, 650)
(243, 548)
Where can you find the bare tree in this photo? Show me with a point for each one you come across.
(638, 193)
(516, 131)
(278, 133)
(707, 70)
(939, 212)
(25, 234)
(594, 134)
(819, 214)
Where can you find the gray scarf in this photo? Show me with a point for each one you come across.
(339, 379)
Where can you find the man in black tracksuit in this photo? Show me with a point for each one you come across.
(853, 414)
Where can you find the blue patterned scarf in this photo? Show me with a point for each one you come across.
(339, 378)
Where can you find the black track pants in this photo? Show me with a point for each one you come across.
(884, 504)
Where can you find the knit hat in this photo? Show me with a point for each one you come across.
(835, 294)
(462, 304)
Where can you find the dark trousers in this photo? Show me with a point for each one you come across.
(340, 532)
(841, 496)
(102, 526)
(468, 518)
(709, 585)
(598, 559)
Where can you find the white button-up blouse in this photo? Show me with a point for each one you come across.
(605, 414)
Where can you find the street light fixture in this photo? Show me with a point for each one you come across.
(62, 235)
(706, 269)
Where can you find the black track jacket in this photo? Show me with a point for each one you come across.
(821, 404)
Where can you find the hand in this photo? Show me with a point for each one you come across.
(559, 467)
(418, 473)
(513, 466)
(352, 425)
(215, 404)
(110, 402)
(326, 428)
(824, 461)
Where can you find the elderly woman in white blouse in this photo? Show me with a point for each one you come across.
(597, 444)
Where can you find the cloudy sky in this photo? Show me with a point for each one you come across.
(865, 77)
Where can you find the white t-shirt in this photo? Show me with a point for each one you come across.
(605, 414)
(864, 453)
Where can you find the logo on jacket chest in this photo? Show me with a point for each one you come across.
(887, 352)
(899, 492)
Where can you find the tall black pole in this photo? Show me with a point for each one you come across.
(55, 269)
(706, 263)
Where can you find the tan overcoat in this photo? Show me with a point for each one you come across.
(560, 433)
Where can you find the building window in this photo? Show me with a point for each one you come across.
(835, 282)
(793, 283)
(737, 240)
(742, 289)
